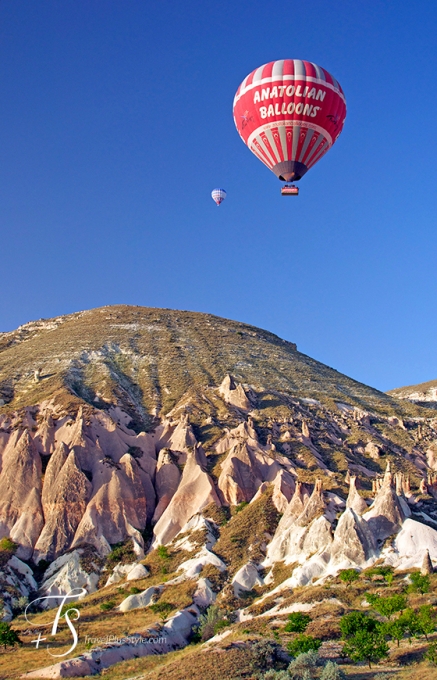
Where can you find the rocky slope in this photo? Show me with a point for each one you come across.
(125, 428)
(424, 394)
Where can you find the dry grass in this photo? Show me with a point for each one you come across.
(243, 535)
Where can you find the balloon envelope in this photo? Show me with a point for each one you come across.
(289, 113)
(218, 195)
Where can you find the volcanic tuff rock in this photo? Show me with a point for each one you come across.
(150, 426)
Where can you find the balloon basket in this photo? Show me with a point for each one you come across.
(289, 190)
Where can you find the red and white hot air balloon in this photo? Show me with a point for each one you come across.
(289, 113)
(218, 195)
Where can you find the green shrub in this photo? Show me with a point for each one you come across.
(107, 606)
(304, 665)
(134, 590)
(303, 643)
(7, 545)
(297, 623)
(210, 622)
(163, 552)
(349, 575)
(162, 608)
(419, 583)
(241, 506)
(8, 636)
(70, 605)
(331, 671)
(121, 552)
(276, 675)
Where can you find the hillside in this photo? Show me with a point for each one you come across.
(170, 462)
(149, 358)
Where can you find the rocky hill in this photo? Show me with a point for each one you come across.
(138, 442)
(424, 394)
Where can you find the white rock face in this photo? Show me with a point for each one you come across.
(64, 575)
(21, 515)
(167, 480)
(204, 594)
(24, 573)
(248, 465)
(17, 575)
(234, 394)
(138, 572)
(127, 571)
(246, 578)
(411, 544)
(385, 516)
(139, 600)
(194, 565)
(354, 500)
(353, 543)
(182, 622)
(196, 490)
(196, 523)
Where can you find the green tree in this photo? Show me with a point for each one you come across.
(297, 623)
(353, 622)
(426, 622)
(395, 630)
(387, 606)
(302, 644)
(431, 654)
(419, 583)
(409, 619)
(8, 636)
(349, 575)
(367, 645)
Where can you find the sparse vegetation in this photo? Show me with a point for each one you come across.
(108, 606)
(121, 553)
(211, 622)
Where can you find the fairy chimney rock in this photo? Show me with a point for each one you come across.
(354, 500)
(426, 567)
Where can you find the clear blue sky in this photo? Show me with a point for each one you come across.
(116, 123)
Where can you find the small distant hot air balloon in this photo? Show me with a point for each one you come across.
(218, 195)
(289, 113)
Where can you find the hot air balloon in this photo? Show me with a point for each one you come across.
(218, 195)
(289, 113)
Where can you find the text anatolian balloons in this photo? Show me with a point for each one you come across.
(218, 195)
(289, 113)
